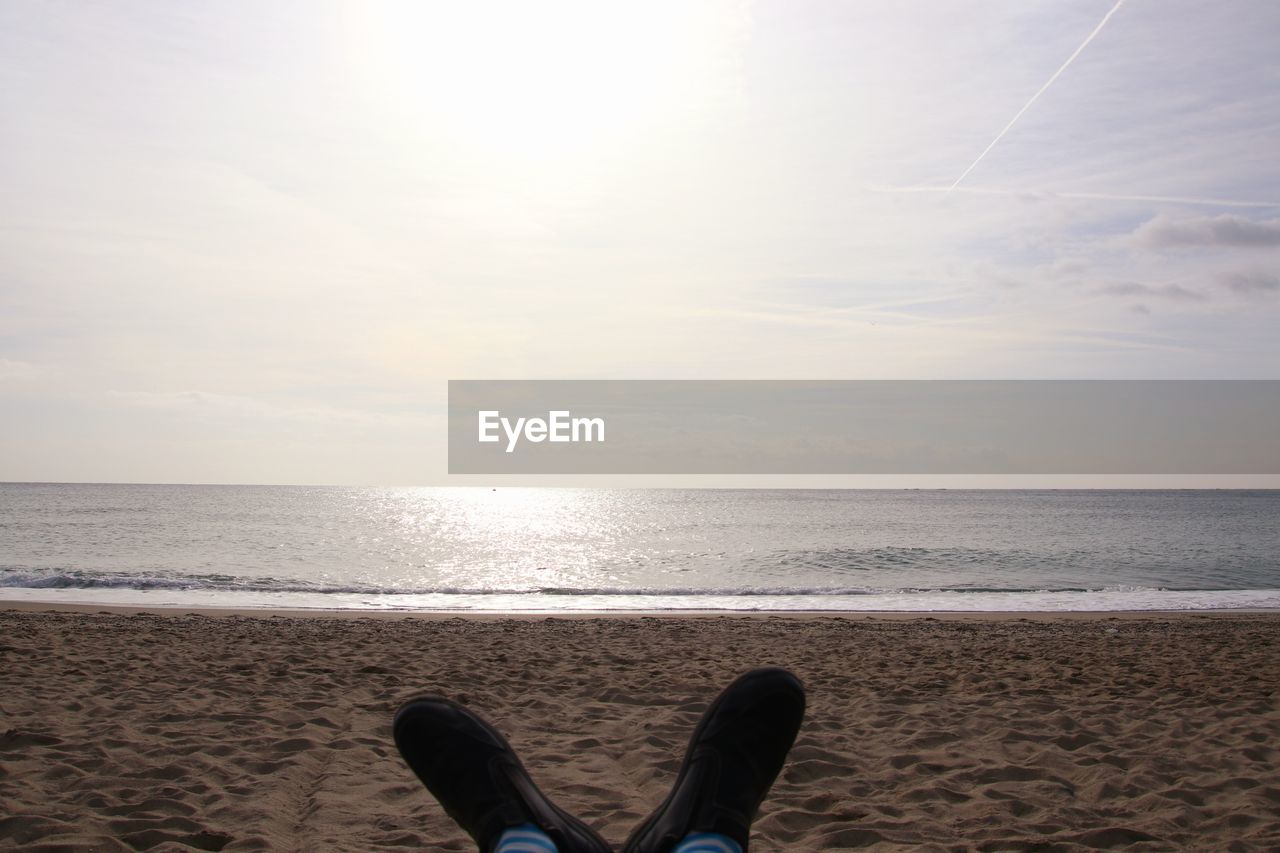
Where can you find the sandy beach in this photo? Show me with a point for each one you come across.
(213, 732)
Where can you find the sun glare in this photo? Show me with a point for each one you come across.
(538, 83)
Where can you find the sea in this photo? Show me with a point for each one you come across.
(555, 550)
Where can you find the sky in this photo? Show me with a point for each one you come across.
(248, 242)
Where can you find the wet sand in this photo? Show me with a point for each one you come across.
(180, 730)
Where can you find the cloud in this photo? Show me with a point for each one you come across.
(1226, 230)
(1164, 291)
(19, 370)
(206, 405)
(1250, 281)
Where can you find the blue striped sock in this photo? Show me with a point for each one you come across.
(707, 842)
(525, 838)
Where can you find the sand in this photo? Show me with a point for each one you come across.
(182, 731)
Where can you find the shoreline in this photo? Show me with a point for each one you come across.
(267, 613)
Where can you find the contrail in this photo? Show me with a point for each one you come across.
(1173, 199)
(1040, 91)
(1158, 199)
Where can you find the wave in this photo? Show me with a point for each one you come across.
(252, 593)
(230, 583)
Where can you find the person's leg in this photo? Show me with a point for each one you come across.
(471, 769)
(707, 842)
(525, 838)
(735, 753)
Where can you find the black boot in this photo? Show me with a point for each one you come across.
(734, 756)
(469, 767)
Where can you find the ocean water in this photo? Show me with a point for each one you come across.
(605, 549)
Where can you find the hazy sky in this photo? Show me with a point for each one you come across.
(249, 242)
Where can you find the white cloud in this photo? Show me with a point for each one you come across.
(20, 371)
(257, 411)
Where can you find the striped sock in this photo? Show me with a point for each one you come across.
(707, 842)
(525, 838)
